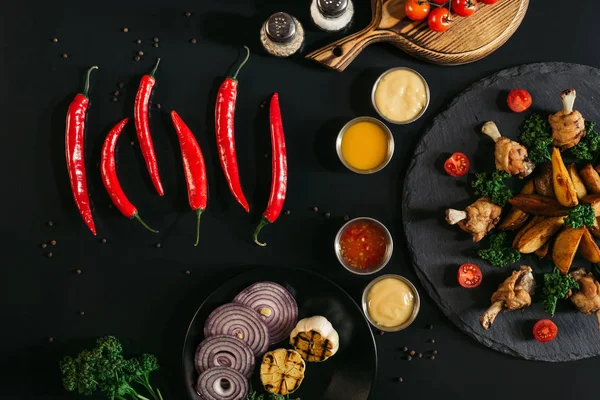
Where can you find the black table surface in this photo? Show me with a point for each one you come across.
(141, 293)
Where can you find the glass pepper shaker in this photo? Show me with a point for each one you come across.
(332, 15)
(282, 35)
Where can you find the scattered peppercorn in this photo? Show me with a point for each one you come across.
(103, 240)
(65, 55)
(408, 358)
(155, 45)
(432, 357)
(405, 348)
(121, 85)
(50, 255)
(346, 218)
(155, 40)
(432, 340)
(412, 352)
(430, 327)
(420, 355)
(188, 14)
(315, 209)
(193, 41)
(140, 53)
(158, 245)
(125, 30)
(400, 380)
(287, 212)
(116, 93)
(132, 143)
(50, 339)
(115, 99)
(137, 58)
(44, 245)
(139, 41)
(381, 332)
(188, 272)
(327, 215)
(434, 352)
(158, 106)
(78, 271)
(53, 242)
(81, 312)
(55, 40)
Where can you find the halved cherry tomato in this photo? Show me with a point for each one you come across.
(544, 330)
(469, 276)
(488, 1)
(519, 100)
(464, 8)
(439, 2)
(417, 10)
(457, 165)
(439, 19)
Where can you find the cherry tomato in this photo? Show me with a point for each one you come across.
(439, 2)
(519, 100)
(544, 330)
(464, 8)
(439, 19)
(417, 10)
(469, 276)
(488, 1)
(457, 165)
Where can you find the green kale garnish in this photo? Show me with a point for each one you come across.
(493, 186)
(580, 215)
(588, 147)
(536, 135)
(499, 254)
(556, 287)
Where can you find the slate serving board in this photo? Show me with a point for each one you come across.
(438, 249)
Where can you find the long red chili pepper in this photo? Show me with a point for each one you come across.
(279, 172)
(193, 168)
(142, 127)
(75, 152)
(108, 170)
(224, 124)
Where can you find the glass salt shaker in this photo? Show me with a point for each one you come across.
(282, 35)
(332, 15)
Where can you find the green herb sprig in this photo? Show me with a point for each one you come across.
(588, 147)
(556, 287)
(580, 215)
(536, 135)
(254, 395)
(499, 254)
(493, 186)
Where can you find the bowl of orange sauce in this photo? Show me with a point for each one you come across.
(363, 246)
(365, 145)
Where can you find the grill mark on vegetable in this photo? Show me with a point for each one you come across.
(305, 344)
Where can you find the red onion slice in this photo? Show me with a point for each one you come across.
(275, 305)
(222, 383)
(224, 351)
(239, 321)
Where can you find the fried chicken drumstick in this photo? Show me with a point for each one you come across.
(510, 156)
(512, 294)
(587, 298)
(568, 125)
(477, 219)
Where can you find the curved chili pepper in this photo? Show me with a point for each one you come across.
(75, 152)
(108, 170)
(142, 127)
(193, 168)
(279, 172)
(224, 124)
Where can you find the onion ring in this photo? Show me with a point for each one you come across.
(222, 383)
(224, 351)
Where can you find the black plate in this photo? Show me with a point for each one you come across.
(438, 249)
(349, 374)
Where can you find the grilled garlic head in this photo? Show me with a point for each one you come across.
(315, 339)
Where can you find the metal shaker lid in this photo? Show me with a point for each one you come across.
(332, 8)
(281, 27)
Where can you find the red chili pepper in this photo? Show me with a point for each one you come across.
(224, 124)
(279, 172)
(75, 152)
(142, 127)
(193, 168)
(108, 170)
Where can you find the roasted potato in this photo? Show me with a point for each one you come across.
(564, 189)
(588, 247)
(538, 205)
(595, 231)
(543, 180)
(590, 178)
(598, 168)
(577, 182)
(543, 251)
(594, 201)
(565, 247)
(515, 218)
(532, 222)
(539, 234)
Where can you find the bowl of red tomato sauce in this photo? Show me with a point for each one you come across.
(363, 246)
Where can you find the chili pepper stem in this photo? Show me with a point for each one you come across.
(234, 77)
(263, 222)
(141, 221)
(86, 87)
(199, 214)
(155, 68)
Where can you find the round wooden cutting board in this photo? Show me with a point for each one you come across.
(468, 39)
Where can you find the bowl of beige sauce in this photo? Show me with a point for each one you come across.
(400, 95)
(391, 303)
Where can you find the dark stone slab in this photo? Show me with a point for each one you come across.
(438, 249)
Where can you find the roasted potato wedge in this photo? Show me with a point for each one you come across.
(588, 247)
(594, 201)
(594, 231)
(543, 251)
(577, 182)
(539, 234)
(590, 178)
(532, 222)
(543, 180)
(564, 190)
(515, 218)
(565, 247)
(538, 205)
(597, 168)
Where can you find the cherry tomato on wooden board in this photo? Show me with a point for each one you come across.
(519, 100)
(488, 1)
(469, 276)
(457, 165)
(544, 330)
(439, 19)
(464, 8)
(417, 10)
